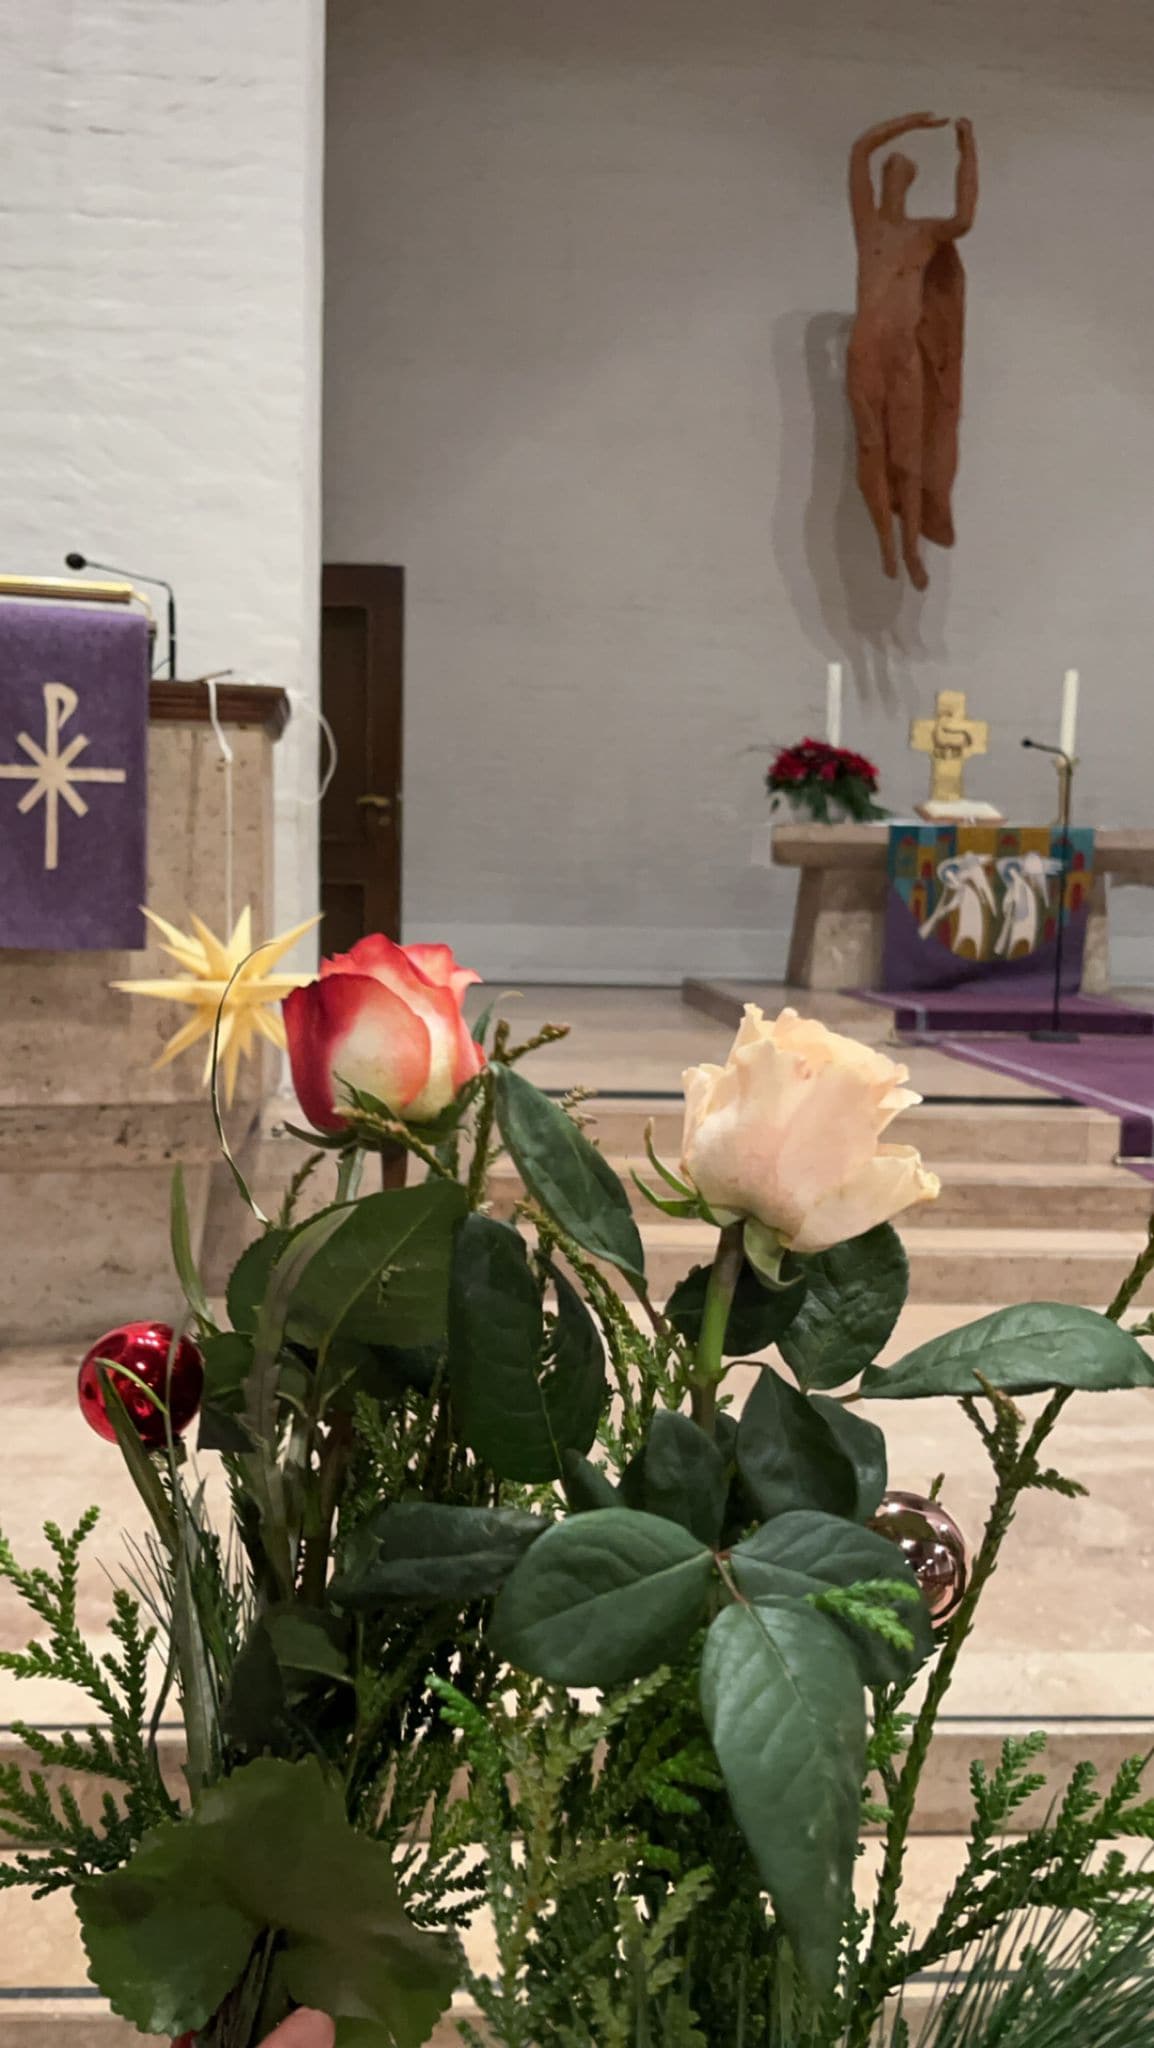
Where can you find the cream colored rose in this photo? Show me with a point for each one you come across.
(788, 1131)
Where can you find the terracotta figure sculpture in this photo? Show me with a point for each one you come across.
(905, 353)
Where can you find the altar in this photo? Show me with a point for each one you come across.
(839, 916)
(90, 1128)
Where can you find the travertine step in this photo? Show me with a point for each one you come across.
(944, 1804)
(1003, 1265)
(42, 1959)
(74, 2016)
(1084, 1267)
(956, 1139)
(1051, 1196)
(1027, 1132)
(991, 1195)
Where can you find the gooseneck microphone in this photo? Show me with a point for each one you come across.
(75, 560)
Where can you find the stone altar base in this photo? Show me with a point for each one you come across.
(839, 918)
(89, 1131)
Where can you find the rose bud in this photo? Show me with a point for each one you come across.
(788, 1131)
(386, 1020)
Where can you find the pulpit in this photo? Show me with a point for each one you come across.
(89, 1129)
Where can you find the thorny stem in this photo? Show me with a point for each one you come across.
(878, 1973)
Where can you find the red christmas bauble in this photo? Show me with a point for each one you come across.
(144, 1349)
(932, 1545)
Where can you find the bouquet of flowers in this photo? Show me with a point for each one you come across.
(827, 782)
(503, 1610)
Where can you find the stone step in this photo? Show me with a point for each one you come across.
(1013, 1265)
(944, 1806)
(1004, 1265)
(990, 1195)
(47, 2002)
(1026, 1133)
(1052, 1196)
(951, 1136)
(1032, 1134)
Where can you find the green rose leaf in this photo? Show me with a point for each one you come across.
(308, 1642)
(168, 1935)
(522, 1395)
(428, 1552)
(788, 1454)
(1028, 1350)
(227, 1364)
(383, 1276)
(587, 1485)
(180, 1237)
(865, 1447)
(854, 1295)
(567, 1175)
(684, 1475)
(603, 1597)
(783, 1702)
(249, 1278)
(758, 1316)
(801, 1554)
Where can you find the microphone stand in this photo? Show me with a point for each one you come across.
(1055, 1034)
(75, 560)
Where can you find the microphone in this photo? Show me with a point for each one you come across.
(75, 560)
(1039, 746)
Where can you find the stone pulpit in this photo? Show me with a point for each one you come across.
(90, 1129)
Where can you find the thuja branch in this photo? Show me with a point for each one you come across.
(1017, 1468)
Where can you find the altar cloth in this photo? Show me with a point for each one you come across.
(73, 765)
(968, 903)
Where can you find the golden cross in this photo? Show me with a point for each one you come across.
(51, 773)
(949, 738)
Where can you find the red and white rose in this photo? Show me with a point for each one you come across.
(385, 1019)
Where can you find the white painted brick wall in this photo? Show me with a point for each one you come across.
(160, 267)
(589, 267)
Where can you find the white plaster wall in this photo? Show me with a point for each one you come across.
(589, 274)
(160, 264)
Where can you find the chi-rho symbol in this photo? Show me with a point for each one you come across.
(49, 769)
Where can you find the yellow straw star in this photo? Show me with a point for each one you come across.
(209, 965)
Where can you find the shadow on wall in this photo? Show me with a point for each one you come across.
(823, 540)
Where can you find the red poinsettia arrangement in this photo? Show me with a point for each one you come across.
(825, 781)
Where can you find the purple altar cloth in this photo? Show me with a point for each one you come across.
(73, 775)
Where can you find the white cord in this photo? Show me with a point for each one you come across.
(299, 699)
(226, 753)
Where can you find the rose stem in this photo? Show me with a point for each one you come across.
(710, 1355)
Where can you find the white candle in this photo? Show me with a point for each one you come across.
(833, 704)
(1068, 731)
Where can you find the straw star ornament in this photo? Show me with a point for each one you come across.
(225, 976)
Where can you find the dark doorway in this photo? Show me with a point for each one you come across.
(362, 676)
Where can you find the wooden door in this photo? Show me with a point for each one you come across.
(362, 669)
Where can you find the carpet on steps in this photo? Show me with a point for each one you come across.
(1026, 1006)
(1112, 1074)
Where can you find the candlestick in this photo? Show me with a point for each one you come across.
(1068, 730)
(833, 704)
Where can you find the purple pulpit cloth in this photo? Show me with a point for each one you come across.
(73, 774)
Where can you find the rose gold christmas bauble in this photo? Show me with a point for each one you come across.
(932, 1545)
